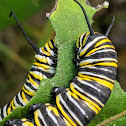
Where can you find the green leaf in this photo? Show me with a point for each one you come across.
(68, 22)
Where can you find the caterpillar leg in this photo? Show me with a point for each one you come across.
(20, 122)
(48, 115)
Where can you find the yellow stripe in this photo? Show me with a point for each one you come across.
(72, 94)
(107, 64)
(84, 98)
(12, 104)
(39, 77)
(28, 91)
(47, 53)
(106, 61)
(32, 81)
(85, 38)
(47, 104)
(50, 44)
(83, 79)
(42, 65)
(83, 52)
(9, 110)
(41, 68)
(28, 124)
(100, 81)
(36, 114)
(24, 119)
(44, 60)
(101, 47)
(50, 108)
(66, 122)
(71, 85)
(102, 41)
(47, 47)
(62, 111)
(25, 100)
(81, 75)
(91, 107)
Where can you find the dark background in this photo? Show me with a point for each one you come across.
(16, 55)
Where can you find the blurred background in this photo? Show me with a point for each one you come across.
(16, 55)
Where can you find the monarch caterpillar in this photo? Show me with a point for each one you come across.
(43, 67)
(96, 60)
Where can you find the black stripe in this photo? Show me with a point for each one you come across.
(108, 54)
(97, 71)
(40, 121)
(38, 61)
(68, 114)
(17, 100)
(27, 96)
(100, 92)
(48, 75)
(2, 116)
(95, 62)
(7, 107)
(29, 85)
(34, 79)
(105, 43)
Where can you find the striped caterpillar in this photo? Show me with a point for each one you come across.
(96, 60)
(43, 67)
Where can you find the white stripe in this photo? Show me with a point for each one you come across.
(50, 51)
(96, 75)
(75, 103)
(38, 56)
(81, 39)
(20, 99)
(50, 70)
(98, 68)
(31, 84)
(42, 118)
(91, 43)
(4, 111)
(49, 61)
(28, 88)
(15, 102)
(88, 84)
(97, 60)
(82, 91)
(36, 73)
(44, 76)
(71, 113)
(107, 50)
(51, 116)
